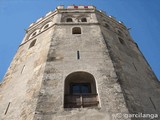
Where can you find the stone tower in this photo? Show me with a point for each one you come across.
(77, 63)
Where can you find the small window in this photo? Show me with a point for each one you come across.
(34, 34)
(69, 20)
(46, 26)
(121, 41)
(107, 26)
(83, 20)
(76, 30)
(32, 43)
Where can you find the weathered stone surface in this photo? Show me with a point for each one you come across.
(34, 84)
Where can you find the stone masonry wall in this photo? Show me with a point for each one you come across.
(140, 86)
(21, 84)
(62, 60)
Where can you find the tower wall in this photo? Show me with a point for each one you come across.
(94, 59)
(20, 87)
(63, 49)
(140, 86)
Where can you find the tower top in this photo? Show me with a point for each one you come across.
(76, 7)
(71, 9)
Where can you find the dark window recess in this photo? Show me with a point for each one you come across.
(152, 103)
(76, 30)
(80, 88)
(134, 66)
(107, 26)
(121, 41)
(46, 26)
(80, 91)
(83, 20)
(34, 34)
(7, 108)
(69, 20)
(22, 69)
(32, 43)
(78, 55)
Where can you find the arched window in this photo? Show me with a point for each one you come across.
(83, 20)
(80, 90)
(69, 20)
(32, 43)
(121, 41)
(35, 33)
(46, 26)
(76, 30)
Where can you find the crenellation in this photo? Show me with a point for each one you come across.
(78, 63)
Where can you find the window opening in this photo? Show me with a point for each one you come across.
(83, 20)
(107, 26)
(32, 43)
(152, 103)
(46, 26)
(69, 20)
(76, 30)
(78, 55)
(121, 41)
(7, 108)
(34, 34)
(134, 66)
(22, 69)
(80, 90)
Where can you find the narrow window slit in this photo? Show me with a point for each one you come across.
(121, 41)
(152, 103)
(78, 55)
(22, 69)
(7, 108)
(134, 66)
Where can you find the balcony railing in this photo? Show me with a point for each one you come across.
(78, 101)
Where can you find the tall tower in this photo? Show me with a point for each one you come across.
(77, 63)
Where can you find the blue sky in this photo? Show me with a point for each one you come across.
(143, 16)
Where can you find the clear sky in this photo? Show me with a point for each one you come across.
(143, 16)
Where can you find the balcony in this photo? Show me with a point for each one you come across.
(79, 101)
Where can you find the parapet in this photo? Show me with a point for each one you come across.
(73, 8)
(76, 7)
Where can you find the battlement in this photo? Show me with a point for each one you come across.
(78, 63)
(72, 9)
(77, 7)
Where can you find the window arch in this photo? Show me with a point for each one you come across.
(32, 43)
(69, 20)
(80, 90)
(33, 34)
(76, 30)
(83, 20)
(46, 25)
